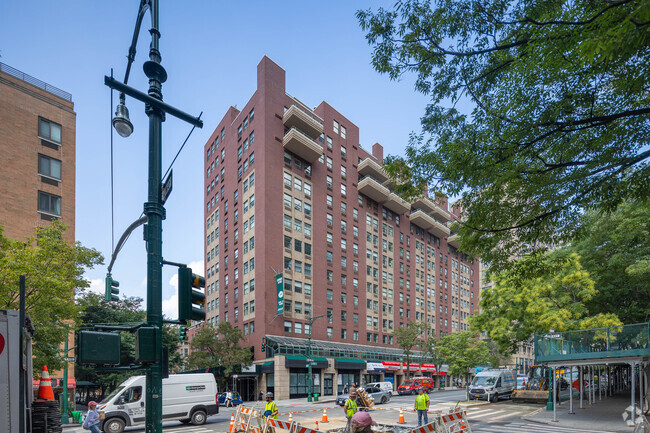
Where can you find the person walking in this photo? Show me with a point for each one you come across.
(229, 399)
(92, 418)
(422, 402)
(270, 408)
(350, 408)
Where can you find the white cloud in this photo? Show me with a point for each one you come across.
(98, 285)
(170, 305)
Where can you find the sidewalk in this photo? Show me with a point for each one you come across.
(603, 415)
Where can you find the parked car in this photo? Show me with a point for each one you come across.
(236, 399)
(380, 396)
(412, 386)
(386, 386)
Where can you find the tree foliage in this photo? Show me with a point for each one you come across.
(615, 249)
(462, 351)
(408, 337)
(535, 296)
(54, 273)
(219, 347)
(560, 111)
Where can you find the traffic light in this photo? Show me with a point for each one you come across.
(111, 292)
(188, 297)
(182, 333)
(263, 345)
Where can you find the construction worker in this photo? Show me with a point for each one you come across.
(422, 402)
(350, 408)
(270, 408)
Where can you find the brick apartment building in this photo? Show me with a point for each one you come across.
(37, 144)
(289, 190)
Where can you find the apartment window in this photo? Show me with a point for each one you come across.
(343, 172)
(329, 332)
(344, 132)
(49, 203)
(344, 152)
(49, 130)
(330, 295)
(287, 326)
(49, 166)
(287, 179)
(335, 126)
(330, 163)
(343, 190)
(329, 181)
(329, 142)
(307, 189)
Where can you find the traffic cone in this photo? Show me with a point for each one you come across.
(316, 425)
(45, 387)
(401, 417)
(231, 429)
(290, 417)
(324, 416)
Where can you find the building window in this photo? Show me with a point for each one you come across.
(49, 203)
(49, 167)
(49, 130)
(330, 332)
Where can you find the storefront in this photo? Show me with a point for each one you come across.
(374, 372)
(348, 372)
(299, 375)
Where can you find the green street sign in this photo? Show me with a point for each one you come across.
(279, 285)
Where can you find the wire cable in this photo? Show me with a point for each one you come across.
(181, 148)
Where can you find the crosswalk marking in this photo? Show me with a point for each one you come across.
(501, 416)
(531, 427)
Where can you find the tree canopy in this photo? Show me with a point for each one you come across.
(54, 274)
(539, 110)
(462, 351)
(219, 347)
(408, 337)
(535, 296)
(615, 250)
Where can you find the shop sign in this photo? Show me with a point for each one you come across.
(375, 366)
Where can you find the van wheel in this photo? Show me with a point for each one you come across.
(495, 398)
(198, 417)
(114, 425)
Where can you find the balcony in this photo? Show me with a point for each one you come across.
(425, 204)
(454, 241)
(295, 117)
(439, 229)
(369, 167)
(300, 144)
(373, 189)
(422, 220)
(397, 204)
(440, 214)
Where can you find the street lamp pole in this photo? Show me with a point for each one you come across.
(310, 361)
(155, 109)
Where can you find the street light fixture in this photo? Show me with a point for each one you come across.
(310, 361)
(121, 121)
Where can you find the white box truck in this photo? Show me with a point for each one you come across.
(186, 398)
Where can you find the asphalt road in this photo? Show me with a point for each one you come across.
(502, 417)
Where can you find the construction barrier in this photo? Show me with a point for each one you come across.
(247, 420)
(292, 427)
(455, 421)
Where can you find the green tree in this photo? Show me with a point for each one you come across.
(462, 351)
(433, 355)
(54, 274)
(219, 347)
(408, 337)
(615, 250)
(555, 118)
(537, 295)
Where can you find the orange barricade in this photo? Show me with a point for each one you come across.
(455, 421)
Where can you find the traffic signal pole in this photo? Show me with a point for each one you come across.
(153, 208)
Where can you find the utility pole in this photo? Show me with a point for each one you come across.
(310, 360)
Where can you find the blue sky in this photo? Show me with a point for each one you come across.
(210, 50)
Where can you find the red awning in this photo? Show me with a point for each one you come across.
(56, 383)
(392, 365)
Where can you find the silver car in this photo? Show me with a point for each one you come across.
(379, 395)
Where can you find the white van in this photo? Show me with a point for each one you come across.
(384, 386)
(186, 398)
(492, 384)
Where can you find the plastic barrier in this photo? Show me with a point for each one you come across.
(292, 427)
(247, 420)
(455, 421)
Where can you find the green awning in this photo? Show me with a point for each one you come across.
(349, 364)
(301, 361)
(266, 367)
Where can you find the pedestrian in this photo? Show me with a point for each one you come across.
(261, 396)
(346, 389)
(92, 418)
(270, 408)
(350, 408)
(422, 402)
(229, 399)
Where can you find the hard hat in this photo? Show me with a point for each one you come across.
(269, 394)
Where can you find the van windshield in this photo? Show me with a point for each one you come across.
(408, 383)
(112, 394)
(484, 380)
